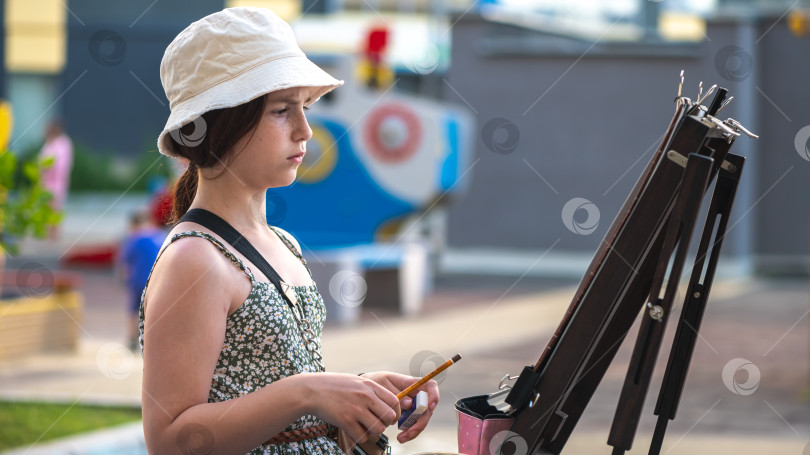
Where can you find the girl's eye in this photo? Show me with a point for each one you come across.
(286, 109)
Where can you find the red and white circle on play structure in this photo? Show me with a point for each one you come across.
(393, 133)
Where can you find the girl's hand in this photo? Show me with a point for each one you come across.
(396, 383)
(359, 406)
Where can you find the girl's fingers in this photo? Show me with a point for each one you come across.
(406, 403)
(417, 427)
(374, 428)
(356, 432)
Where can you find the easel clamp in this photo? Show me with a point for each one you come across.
(680, 160)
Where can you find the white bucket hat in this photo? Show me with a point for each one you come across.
(229, 58)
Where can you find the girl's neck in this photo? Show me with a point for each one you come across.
(245, 210)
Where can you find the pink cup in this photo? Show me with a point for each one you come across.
(475, 434)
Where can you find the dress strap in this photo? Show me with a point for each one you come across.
(283, 236)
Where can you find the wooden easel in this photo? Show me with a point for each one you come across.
(626, 276)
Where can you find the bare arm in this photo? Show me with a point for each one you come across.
(192, 289)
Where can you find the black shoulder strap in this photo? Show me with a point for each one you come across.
(232, 236)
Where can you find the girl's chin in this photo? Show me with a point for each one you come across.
(280, 183)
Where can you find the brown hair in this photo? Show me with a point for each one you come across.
(206, 142)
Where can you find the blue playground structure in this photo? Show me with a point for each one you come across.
(376, 157)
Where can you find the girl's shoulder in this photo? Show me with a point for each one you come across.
(189, 254)
(190, 274)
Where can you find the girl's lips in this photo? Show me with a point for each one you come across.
(298, 157)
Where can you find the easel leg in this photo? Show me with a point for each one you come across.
(695, 302)
(653, 323)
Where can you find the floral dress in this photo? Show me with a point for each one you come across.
(263, 344)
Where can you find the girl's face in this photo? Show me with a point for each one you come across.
(269, 156)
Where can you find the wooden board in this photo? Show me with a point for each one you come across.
(43, 324)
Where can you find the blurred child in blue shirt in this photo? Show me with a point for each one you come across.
(138, 254)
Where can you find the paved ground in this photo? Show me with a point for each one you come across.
(500, 324)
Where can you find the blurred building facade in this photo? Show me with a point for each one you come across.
(586, 108)
(34, 59)
(563, 118)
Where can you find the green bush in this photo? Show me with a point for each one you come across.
(101, 172)
(25, 205)
(92, 172)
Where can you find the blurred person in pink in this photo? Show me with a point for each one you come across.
(56, 178)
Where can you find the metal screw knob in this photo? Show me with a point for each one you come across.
(656, 312)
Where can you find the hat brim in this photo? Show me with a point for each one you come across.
(280, 74)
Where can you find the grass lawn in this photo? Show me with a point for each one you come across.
(24, 423)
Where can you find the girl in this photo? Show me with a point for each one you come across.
(231, 360)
